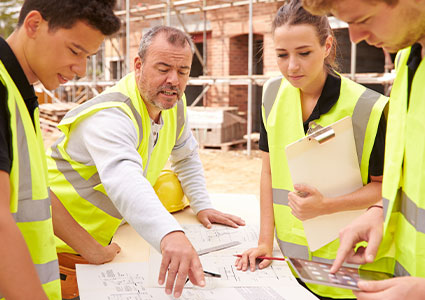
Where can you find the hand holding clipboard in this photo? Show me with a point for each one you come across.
(327, 160)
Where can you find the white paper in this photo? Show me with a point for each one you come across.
(125, 281)
(203, 238)
(223, 261)
(333, 169)
(129, 281)
(241, 293)
(276, 275)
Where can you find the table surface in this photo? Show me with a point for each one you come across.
(135, 248)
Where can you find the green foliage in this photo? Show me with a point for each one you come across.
(9, 13)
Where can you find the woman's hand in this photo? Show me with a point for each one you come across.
(307, 202)
(249, 258)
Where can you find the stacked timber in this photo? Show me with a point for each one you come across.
(50, 116)
(52, 113)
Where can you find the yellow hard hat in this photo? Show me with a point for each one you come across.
(170, 192)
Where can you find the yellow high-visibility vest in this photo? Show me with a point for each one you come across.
(282, 113)
(78, 186)
(403, 187)
(29, 193)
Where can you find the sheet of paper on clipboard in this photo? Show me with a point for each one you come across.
(327, 160)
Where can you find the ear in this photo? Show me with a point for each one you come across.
(138, 64)
(328, 45)
(32, 23)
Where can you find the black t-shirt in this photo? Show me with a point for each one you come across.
(14, 69)
(326, 101)
(413, 63)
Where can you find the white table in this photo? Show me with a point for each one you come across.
(135, 248)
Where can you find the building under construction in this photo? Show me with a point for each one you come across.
(234, 56)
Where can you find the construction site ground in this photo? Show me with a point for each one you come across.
(230, 171)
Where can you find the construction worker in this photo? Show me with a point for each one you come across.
(47, 47)
(311, 90)
(392, 25)
(114, 147)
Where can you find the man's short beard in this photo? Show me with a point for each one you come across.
(160, 106)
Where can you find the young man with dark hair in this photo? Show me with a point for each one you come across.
(50, 44)
(395, 25)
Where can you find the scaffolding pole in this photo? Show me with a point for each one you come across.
(169, 8)
(250, 59)
(201, 60)
(168, 13)
(127, 37)
(204, 51)
(353, 61)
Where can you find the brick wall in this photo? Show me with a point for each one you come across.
(228, 50)
(227, 47)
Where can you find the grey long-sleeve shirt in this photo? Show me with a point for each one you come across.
(108, 139)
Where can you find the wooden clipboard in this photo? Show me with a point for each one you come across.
(327, 160)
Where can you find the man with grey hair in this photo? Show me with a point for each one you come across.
(114, 147)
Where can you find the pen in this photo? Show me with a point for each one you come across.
(211, 274)
(264, 257)
(207, 274)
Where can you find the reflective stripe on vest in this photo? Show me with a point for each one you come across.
(29, 210)
(48, 272)
(361, 116)
(283, 110)
(84, 187)
(102, 98)
(411, 212)
(78, 186)
(403, 186)
(399, 270)
(29, 194)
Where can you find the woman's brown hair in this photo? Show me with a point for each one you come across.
(293, 13)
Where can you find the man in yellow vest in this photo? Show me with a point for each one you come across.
(114, 147)
(395, 25)
(51, 44)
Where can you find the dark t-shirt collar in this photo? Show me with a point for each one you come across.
(415, 57)
(413, 63)
(327, 99)
(17, 74)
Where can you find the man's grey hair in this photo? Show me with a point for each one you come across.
(174, 37)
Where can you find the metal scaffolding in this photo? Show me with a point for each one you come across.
(117, 61)
(99, 70)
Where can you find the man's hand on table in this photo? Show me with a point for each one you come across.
(209, 216)
(180, 260)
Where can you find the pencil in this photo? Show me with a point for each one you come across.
(264, 257)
